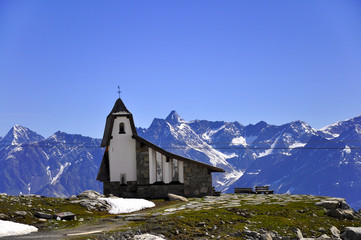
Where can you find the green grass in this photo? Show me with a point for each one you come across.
(10, 204)
(276, 213)
(283, 218)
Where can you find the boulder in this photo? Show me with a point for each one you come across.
(265, 236)
(43, 215)
(298, 233)
(343, 213)
(20, 213)
(93, 204)
(329, 204)
(351, 233)
(174, 197)
(323, 237)
(65, 215)
(335, 232)
(3, 216)
(90, 194)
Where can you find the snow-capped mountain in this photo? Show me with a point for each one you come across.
(60, 165)
(291, 158)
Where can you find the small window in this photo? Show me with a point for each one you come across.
(121, 128)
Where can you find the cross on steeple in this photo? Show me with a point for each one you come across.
(119, 92)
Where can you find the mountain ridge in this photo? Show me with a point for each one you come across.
(286, 157)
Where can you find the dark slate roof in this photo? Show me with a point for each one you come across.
(175, 156)
(104, 171)
(118, 107)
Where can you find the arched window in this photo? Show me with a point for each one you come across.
(121, 128)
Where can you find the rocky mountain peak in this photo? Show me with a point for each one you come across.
(174, 118)
(19, 134)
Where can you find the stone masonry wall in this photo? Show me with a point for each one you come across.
(197, 180)
(142, 155)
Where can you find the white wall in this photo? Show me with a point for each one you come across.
(167, 168)
(122, 152)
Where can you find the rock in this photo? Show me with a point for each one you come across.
(201, 224)
(72, 197)
(65, 216)
(3, 216)
(135, 218)
(174, 197)
(20, 213)
(323, 237)
(94, 204)
(343, 213)
(3, 194)
(90, 194)
(251, 233)
(351, 233)
(147, 236)
(265, 236)
(237, 234)
(43, 215)
(329, 204)
(335, 232)
(298, 233)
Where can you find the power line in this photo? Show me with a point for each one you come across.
(31, 145)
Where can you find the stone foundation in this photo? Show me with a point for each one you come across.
(152, 191)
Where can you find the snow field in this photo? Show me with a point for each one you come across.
(127, 205)
(8, 228)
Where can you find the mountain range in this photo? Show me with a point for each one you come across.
(290, 158)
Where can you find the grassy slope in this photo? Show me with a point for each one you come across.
(222, 218)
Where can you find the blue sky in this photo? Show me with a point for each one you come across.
(278, 61)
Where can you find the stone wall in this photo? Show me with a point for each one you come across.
(197, 180)
(149, 191)
(142, 156)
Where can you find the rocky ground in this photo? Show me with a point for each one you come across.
(229, 216)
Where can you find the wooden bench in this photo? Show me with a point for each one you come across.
(243, 190)
(263, 189)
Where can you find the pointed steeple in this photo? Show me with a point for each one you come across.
(118, 109)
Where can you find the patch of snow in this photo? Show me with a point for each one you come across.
(8, 228)
(265, 153)
(297, 145)
(127, 205)
(232, 155)
(230, 178)
(239, 141)
(181, 126)
(347, 149)
(254, 173)
(207, 135)
(48, 172)
(61, 170)
(270, 150)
